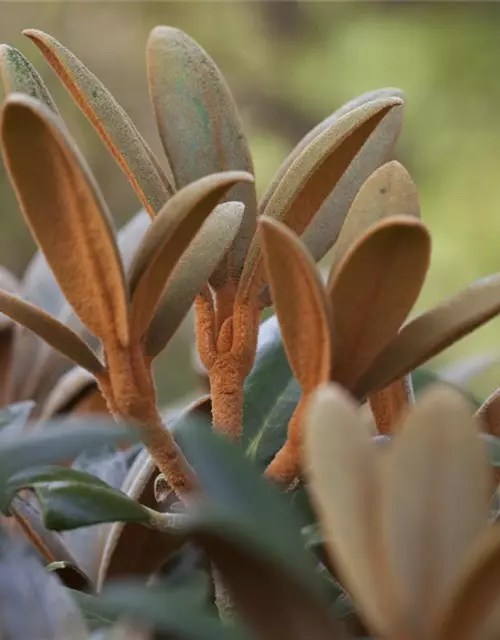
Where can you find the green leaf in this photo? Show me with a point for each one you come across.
(178, 612)
(247, 529)
(71, 499)
(19, 76)
(58, 440)
(200, 127)
(271, 394)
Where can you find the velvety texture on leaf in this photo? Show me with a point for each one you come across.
(389, 191)
(375, 288)
(18, 75)
(311, 178)
(66, 214)
(71, 499)
(168, 237)
(192, 271)
(51, 330)
(110, 121)
(301, 304)
(433, 331)
(200, 127)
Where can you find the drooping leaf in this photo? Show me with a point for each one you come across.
(66, 214)
(200, 127)
(51, 330)
(365, 98)
(260, 563)
(389, 191)
(433, 331)
(191, 272)
(18, 75)
(110, 121)
(301, 304)
(311, 178)
(271, 395)
(341, 466)
(375, 288)
(58, 440)
(168, 237)
(71, 499)
(437, 459)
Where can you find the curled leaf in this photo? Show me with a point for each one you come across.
(375, 287)
(433, 331)
(301, 304)
(192, 271)
(168, 237)
(66, 214)
(200, 127)
(109, 119)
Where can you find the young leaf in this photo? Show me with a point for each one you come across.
(346, 486)
(365, 98)
(389, 191)
(57, 441)
(311, 178)
(437, 459)
(110, 121)
(192, 271)
(51, 330)
(432, 332)
(66, 214)
(19, 76)
(200, 127)
(375, 288)
(168, 237)
(301, 304)
(71, 499)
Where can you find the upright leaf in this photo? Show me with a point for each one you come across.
(311, 178)
(18, 75)
(192, 271)
(301, 304)
(66, 214)
(433, 331)
(168, 237)
(110, 121)
(200, 127)
(375, 288)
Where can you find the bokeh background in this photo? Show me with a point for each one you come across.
(289, 65)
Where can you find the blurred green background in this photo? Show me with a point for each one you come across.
(289, 65)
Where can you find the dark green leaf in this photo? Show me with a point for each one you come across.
(271, 395)
(71, 499)
(58, 440)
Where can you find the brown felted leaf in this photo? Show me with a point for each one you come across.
(436, 501)
(301, 304)
(51, 330)
(389, 191)
(168, 237)
(433, 331)
(311, 178)
(375, 288)
(110, 121)
(191, 272)
(475, 593)
(19, 76)
(365, 98)
(66, 215)
(389, 405)
(200, 127)
(344, 483)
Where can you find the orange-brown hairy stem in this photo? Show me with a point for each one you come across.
(286, 465)
(389, 405)
(130, 393)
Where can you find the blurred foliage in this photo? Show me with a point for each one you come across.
(289, 65)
